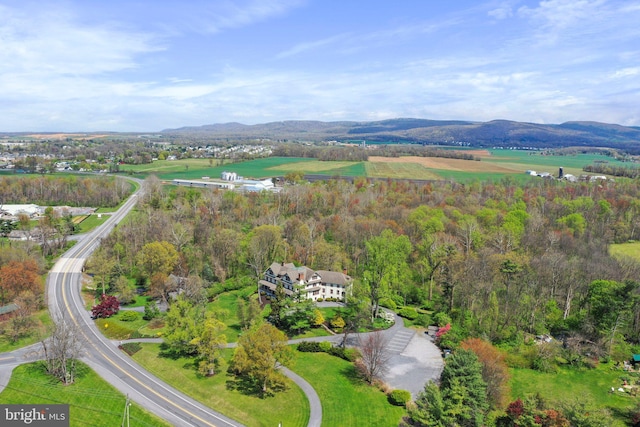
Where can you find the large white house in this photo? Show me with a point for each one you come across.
(313, 284)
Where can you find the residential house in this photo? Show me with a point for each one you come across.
(312, 284)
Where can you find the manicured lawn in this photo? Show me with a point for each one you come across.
(92, 401)
(228, 303)
(567, 384)
(346, 400)
(116, 328)
(290, 406)
(627, 250)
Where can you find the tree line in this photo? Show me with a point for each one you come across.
(63, 190)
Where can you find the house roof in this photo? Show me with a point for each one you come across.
(280, 269)
(273, 286)
(334, 277)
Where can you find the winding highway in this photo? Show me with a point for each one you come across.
(66, 304)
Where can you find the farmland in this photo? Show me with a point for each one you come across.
(492, 165)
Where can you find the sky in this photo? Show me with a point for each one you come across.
(142, 65)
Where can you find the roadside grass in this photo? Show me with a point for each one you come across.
(570, 384)
(290, 406)
(42, 321)
(346, 400)
(92, 401)
(90, 222)
(116, 328)
(626, 250)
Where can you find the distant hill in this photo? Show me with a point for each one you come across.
(502, 133)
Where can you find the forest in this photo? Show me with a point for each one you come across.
(499, 261)
(502, 262)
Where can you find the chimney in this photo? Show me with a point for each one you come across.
(344, 271)
(299, 276)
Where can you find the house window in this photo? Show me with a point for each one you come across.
(332, 291)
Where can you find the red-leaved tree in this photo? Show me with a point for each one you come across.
(109, 305)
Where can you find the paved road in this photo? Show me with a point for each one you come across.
(65, 303)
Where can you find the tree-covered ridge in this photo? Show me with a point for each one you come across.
(64, 190)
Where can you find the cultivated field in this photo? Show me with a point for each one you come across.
(493, 165)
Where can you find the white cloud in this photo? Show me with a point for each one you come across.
(226, 14)
(304, 47)
(504, 11)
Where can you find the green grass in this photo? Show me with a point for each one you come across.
(346, 400)
(115, 328)
(92, 401)
(140, 300)
(518, 161)
(228, 301)
(626, 250)
(91, 222)
(400, 170)
(568, 384)
(290, 406)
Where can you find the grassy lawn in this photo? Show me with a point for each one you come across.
(92, 401)
(116, 328)
(290, 406)
(92, 221)
(346, 401)
(567, 384)
(42, 321)
(627, 250)
(228, 303)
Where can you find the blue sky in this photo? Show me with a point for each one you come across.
(91, 65)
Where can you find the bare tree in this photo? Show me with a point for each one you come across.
(374, 362)
(61, 350)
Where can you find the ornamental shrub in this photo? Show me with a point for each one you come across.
(388, 303)
(107, 307)
(129, 316)
(408, 313)
(399, 397)
(310, 347)
(325, 346)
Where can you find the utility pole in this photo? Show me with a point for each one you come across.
(125, 414)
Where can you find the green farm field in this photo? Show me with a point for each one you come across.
(494, 165)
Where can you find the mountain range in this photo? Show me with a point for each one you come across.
(502, 133)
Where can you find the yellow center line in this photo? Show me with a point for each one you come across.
(73, 318)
